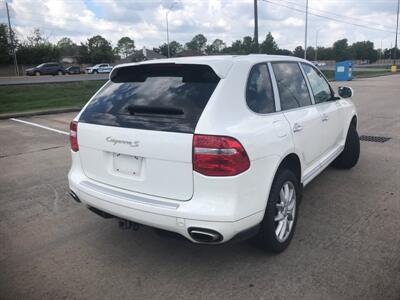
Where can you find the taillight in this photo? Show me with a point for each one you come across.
(73, 135)
(218, 155)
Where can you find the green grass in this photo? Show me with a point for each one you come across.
(21, 98)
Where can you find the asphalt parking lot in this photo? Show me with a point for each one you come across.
(347, 243)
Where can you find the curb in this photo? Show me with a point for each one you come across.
(39, 112)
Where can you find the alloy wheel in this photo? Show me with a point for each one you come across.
(285, 211)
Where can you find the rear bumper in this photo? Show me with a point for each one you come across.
(167, 221)
(228, 205)
(174, 216)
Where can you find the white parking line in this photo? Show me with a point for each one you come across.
(40, 126)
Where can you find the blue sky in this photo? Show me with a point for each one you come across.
(144, 20)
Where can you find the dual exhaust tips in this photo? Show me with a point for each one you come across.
(201, 235)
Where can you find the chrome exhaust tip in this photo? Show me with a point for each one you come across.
(203, 235)
(74, 196)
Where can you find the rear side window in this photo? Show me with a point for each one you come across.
(259, 93)
(293, 91)
(164, 97)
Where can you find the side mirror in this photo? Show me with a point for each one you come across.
(345, 92)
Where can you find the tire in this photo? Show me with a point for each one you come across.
(351, 152)
(95, 72)
(269, 237)
(37, 73)
(59, 73)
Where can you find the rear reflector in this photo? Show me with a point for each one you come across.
(73, 135)
(218, 156)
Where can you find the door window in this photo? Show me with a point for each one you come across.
(320, 88)
(259, 93)
(292, 87)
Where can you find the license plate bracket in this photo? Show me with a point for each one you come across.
(127, 164)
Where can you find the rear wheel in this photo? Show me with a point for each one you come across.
(351, 152)
(59, 73)
(278, 225)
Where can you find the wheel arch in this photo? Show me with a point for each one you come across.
(291, 162)
(354, 120)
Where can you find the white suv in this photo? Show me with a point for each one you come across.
(212, 148)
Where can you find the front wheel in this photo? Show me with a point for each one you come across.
(279, 223)
(351, 152)
(59, 73)
(37, 73)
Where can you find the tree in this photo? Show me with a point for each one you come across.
(325, 53)
(216, 47)
(310, 53)
(67, 47)
(37, 49)
(284, 52)
(248, 45)
(364, 50)
(5, 45)
(390, 52)
(99, 50)
(197, 44)
(125, 46)
(174, 48)
(269, 45)
(235, 48)
(241, 47)
(298, 52)
(36, 38)
(341, 50)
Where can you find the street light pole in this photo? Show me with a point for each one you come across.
(316, 44)
(305, 32)
(256, 26)
(166, 16)
(397, 31)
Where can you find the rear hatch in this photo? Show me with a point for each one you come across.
(137, 132)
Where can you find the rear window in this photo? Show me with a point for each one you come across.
(164, 97)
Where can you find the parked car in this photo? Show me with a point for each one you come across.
(73, 70)
(100, 68)
(211, 148)
(319, 63)
(46, 69)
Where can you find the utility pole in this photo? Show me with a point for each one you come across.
(305, 32)
(12, 42)
(397, 32)
(256, 27)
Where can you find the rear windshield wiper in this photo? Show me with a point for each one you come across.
(154, 110)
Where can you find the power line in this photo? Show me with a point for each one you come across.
(331, 13)
(327, 17)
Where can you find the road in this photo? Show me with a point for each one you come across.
(347, 243)
(50, 79)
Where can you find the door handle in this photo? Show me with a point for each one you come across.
(297, 127)
(325, 117)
